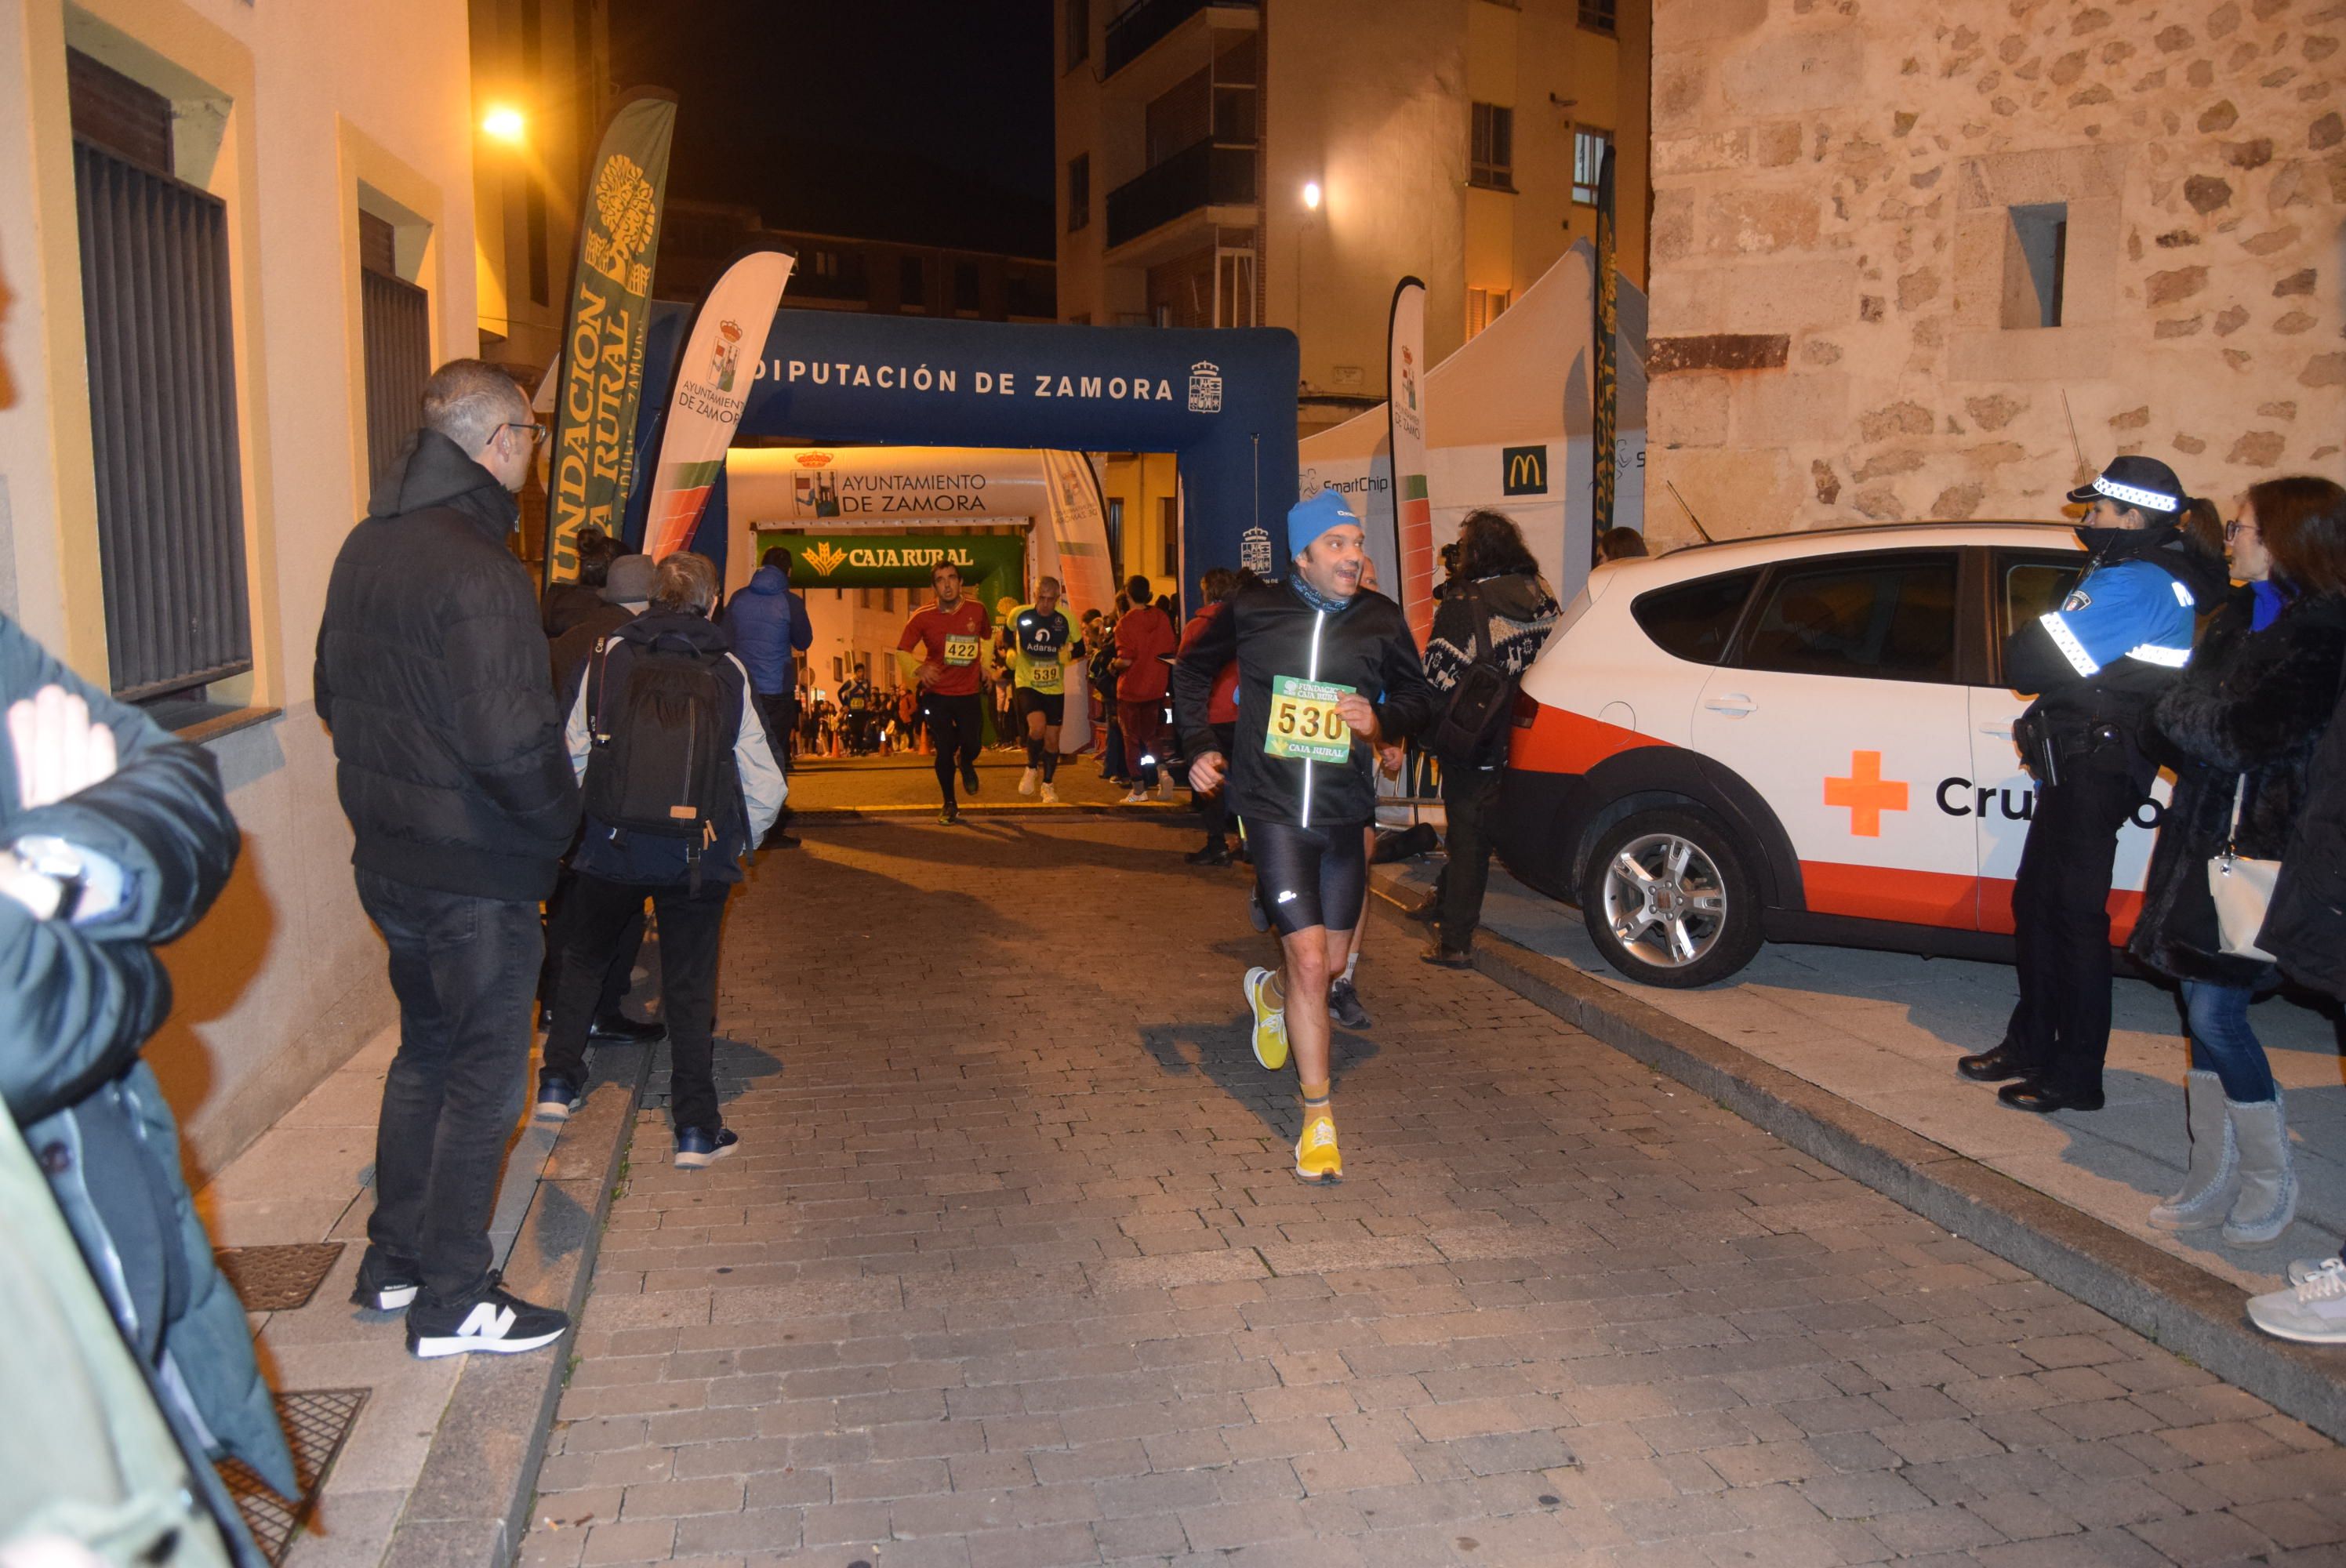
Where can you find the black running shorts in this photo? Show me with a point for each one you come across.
(1309, 876)
(1050, 704)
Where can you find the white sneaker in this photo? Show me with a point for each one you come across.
(2313, 1312)
(1139, 797)
(2301, 1269)
(1164, 785)
(1027, 780)
(1050, 792)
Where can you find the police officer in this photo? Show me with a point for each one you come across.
(2099, 663)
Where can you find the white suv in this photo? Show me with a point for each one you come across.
(1804, 738)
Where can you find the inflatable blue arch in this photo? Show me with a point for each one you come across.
(1222, 401)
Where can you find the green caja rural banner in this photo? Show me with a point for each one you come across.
(602, 379)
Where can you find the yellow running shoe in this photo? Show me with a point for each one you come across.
(1270, 1021)
(1316, 1156)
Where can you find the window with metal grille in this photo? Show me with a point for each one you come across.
(1080, 192)
(1600, 16)
(1491, 162)
(395, 317)
(1588, 150)
(163, 417)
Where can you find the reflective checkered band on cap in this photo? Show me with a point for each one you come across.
(2134, 495)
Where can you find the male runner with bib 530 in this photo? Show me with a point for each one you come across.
(1327, 670)
(1042, 645)
(953, 660)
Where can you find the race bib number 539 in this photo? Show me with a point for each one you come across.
(1303, 724)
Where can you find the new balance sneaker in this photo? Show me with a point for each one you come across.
(1050, 792)
(496, 1320)
(385, 1284)
(2312, 1310)
(1317, 1159)
(2301, 1269)
(698, 1146)
(1027, 780)
(1344, 1004)
(556, 1098)
(1270, 1020)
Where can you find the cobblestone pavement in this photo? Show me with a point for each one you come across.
(1010, 1271)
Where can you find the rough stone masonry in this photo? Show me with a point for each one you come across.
(1890, 235)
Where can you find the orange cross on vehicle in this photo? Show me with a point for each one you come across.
(1866, 793)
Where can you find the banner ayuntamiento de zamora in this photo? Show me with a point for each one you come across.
(601, 378)
(721, 356)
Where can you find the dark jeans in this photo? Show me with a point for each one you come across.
(2223, 1044)
(560, 917)
(688, 928)
(779, 711)
(1469, 795)
(463, 969)
(2061, 922)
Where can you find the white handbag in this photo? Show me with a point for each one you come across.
(2242, 889)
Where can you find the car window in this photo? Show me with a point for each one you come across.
(2027, 588)
(1884, 618)
(1694, 620)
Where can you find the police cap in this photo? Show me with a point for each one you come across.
(2144, 484)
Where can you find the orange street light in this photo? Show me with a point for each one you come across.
(1311, 195)
(504, 123)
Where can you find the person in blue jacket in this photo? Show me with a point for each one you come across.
(2099, 664)
(767, 624)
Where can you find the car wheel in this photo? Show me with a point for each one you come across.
(1667, 900)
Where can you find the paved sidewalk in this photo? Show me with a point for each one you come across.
(906, 784)
(1011, 1271)
(413, 1483)
(1883, 1030)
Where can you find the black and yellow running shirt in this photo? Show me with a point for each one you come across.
(1038, 647)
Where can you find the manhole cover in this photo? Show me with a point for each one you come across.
(316, 1423)
(278, 1279)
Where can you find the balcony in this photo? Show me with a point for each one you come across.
(1203, 174)
(1130, 35)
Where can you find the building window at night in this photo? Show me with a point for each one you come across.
(1079, 32)
(1598, 17)
(1589, 149)
(1169, 531)
(2035, 253)
(912, 283)
(1080, 192)
(1492, 160)
(965, 287)
(1483, 307)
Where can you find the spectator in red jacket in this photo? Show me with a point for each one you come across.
(1144, 641)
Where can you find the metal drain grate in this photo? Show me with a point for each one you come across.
(317, 1424)
(278, 1279)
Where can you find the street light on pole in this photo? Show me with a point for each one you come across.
(505, 123)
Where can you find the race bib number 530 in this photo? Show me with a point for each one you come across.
(1303, 724)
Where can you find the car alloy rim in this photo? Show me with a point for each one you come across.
(1665, 902)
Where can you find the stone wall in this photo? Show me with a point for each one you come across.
(1836, 252)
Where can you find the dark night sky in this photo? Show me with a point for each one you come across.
(919, 120)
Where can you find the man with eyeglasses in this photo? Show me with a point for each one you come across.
(433, 675)
(2098, 663)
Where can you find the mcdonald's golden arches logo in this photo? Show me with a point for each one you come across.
(1526, 470)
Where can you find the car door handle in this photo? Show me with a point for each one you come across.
(1733, 704)
(2001, 731)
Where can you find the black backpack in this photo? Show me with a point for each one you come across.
(1481, 704)
(663, 763)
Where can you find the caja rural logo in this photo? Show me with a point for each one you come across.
(826, 558)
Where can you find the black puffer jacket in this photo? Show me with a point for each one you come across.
(1366, 646)
(2306, 926)
(431, 672)
(2252, 703)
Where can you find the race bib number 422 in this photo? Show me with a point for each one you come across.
(1303, 725)
(961, 650)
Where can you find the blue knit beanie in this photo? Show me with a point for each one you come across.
(1307, 520)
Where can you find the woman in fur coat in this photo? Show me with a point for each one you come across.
(2241, 726)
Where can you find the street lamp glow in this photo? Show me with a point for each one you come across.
(502, 123)
(1311, 195)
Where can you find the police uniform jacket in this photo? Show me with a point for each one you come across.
(2122, 634)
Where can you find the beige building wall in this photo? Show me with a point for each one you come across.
(1847, 325)
(548, 61)
(296, 125)
(1374, 104)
